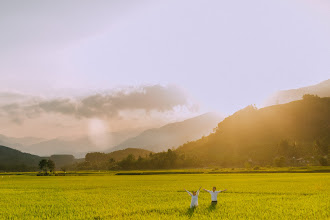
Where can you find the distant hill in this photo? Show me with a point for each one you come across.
(173, 134)
(62, 160)
(18, 143)
(62, 145)
(322, 89)
(254, 134)
(14, 160)
(158, 139)
(121, 154)
(78, 147)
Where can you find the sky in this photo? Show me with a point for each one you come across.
(130, 64)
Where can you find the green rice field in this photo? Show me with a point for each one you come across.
(249, 196)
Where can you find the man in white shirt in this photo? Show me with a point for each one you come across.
(194, 197)
(214, 194)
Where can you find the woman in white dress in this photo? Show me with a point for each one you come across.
(194, 197)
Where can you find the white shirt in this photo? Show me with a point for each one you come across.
(214, 195)
(194, 199)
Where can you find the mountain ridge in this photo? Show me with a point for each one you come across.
(321, 89)
(256, 133)
(15, 160)
(173, 134)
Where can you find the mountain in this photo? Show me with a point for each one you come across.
(173, 134)
(322, 89)
(78, 147)
(63, 160)
(19, 143)
(255, 134)
(63, 145)
(14, 160)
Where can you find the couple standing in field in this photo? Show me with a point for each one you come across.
(194, 196)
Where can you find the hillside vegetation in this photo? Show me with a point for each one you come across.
(97, 160)
(14, 160)
(299, 129)
(293, 134)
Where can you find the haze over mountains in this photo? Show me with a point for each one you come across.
(18, 143)
(78, 146)
(158, 139)
(250, 134)
(174, 134)
(62, 145)
(322, 89)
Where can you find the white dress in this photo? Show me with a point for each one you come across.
(194, 199)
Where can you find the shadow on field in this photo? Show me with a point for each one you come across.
(212, 206)
(190, 211)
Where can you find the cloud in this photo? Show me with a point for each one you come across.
(8, 97)
(148, 98)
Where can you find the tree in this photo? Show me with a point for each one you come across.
(286, 149)
(51, 165)
(128, 162)
(43, 165)
(310, 97)
(130, 158)
(280, 161)
(323, 161)
(321, 147)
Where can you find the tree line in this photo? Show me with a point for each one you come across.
(285, 153)
(169, 159)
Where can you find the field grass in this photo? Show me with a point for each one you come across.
(249, 196)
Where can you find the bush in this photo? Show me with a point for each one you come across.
(115, 167)
(280, 161)
(323, 161)
(310, 97)
(256, 168)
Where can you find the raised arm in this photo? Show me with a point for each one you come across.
(188, 192)
(198, 190)
(206, 190)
